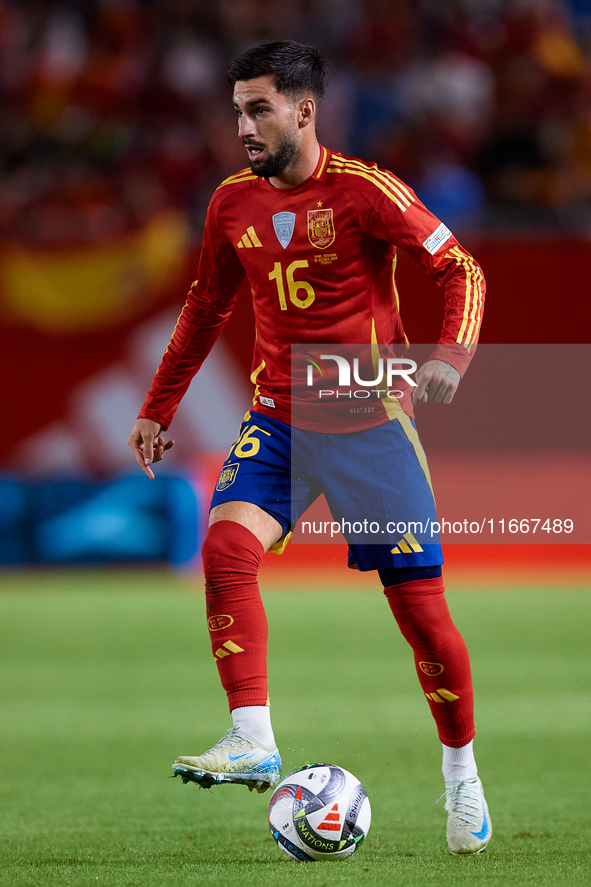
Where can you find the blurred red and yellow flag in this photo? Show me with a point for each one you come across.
(91, 287)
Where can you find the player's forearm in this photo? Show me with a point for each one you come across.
(465, 290)
(194, 337)
(210, 302)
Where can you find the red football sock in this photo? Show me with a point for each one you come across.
(236, 616)
(441, 657)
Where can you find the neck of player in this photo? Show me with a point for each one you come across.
(301, 167)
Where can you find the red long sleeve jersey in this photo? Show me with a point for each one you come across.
(320, 261)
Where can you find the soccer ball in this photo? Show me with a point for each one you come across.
(319, 812)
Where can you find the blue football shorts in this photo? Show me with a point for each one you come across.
(376, 483)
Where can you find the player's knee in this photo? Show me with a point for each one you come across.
(213, 555)
(421, 611)
(422, 633)
(428, 627)
(229, 550)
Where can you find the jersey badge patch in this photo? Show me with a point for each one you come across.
(437, 239)
(267, 401)
(227, 476)
(284, 223)
(321, 233)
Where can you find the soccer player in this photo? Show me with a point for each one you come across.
(315, 234)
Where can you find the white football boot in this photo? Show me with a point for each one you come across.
(235, 758)
(468, 823)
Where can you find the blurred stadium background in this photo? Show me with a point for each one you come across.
(115, 128)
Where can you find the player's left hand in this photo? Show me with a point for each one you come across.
(436, 381)
(147, 444)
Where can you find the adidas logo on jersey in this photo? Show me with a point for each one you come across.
(249, 239)
(406, 545)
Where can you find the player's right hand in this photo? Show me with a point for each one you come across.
(147, 444)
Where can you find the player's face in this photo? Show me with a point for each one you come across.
(267, 125)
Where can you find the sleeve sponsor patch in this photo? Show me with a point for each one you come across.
(435, 240)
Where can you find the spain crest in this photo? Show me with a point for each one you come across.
(227, 476)
(321, 231)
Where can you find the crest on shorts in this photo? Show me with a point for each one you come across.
(227, 476)
(321, 231)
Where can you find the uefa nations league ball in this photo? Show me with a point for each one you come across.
(319, 812)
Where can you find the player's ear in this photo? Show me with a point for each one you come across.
(306, 112)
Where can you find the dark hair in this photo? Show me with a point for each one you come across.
(297, 68)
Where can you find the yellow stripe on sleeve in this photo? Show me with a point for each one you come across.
(244, 175)
(474, 297)
(370, 177)
(476, 319)
(383, 176)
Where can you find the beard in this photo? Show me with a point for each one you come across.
(275, 163)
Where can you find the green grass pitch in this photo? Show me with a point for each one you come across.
(107, 677)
